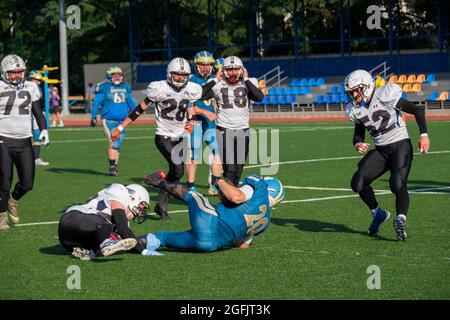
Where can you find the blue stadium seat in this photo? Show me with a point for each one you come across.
(283, 100)
(266, 100)
(328, 99)
(344, 99)
(404, 96)
(433, 96)
(319, 99)
(272, 91)
(290, 91)
(303, 82)
(274, 100)
(430, 78)
(336, 99)
(281, 91)
(312, 82)
(291, 99)
(305, 90)
(297, 91)
(320, 82)
(294, 83)
(341, 89)
(333, 90)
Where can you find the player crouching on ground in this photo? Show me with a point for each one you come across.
(101, 225)
(243, 213)
(379, 111)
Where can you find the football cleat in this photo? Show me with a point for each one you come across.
(113, 171)
(110, 247)
(400, 227)
(4, 221)
(83, 254)
(379, 217)
(12, 211)
(40, 162)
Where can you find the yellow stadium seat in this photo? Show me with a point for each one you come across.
(393, 79)
(401, 79)
(407, 88)
(443, 96)
(420, 78)
(411, 78)
(417, 87)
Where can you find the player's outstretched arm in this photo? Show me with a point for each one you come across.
(131, 117)
(419, 114)
(230, 192)
(194, 110)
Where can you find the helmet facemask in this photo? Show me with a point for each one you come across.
(17, 81)
(139, 212)
(204, 69)
(234, 76)
(116, 80)
(179, 79)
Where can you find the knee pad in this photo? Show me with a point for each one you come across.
(396, 183)
(357, 183)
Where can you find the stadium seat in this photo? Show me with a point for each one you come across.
(336, 99)
(417, 87)
(401, 79)
(266, 100)
(312, 82)
(320, 82)
(296, 91)
(443, 96)
(328, 99)
(305, 90)
(281, 91)
(404, 96)
(411, 78)
(407, 87)
(303, 82)
(393, 79)
(341, 89)
(430, 78)
(291, 99)
(333, 90)
(344, 99)
(272, 91)
(420, 78)
(319, 99)
(433, 96)
(293, 83)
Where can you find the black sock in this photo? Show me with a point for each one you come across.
(402, 202)
(36, 151)
(191, 184)
(112, 163)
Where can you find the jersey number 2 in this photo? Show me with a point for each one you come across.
(10, 102)
(256, 222)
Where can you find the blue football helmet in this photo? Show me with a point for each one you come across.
(218, 64)
(276, 190)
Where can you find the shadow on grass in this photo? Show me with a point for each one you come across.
(77, 171)
(308, 225)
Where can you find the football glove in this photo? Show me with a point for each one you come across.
(116, 133)
(93, 122)
(189, 126)
(44, 137)
(146, 252)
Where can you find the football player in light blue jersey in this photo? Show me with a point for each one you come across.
(116, 100)
(204, 128)
(242, 214)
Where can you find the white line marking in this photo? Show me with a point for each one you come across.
(325, 159)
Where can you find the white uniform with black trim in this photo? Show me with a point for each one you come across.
(381, 118)
(171, 106)
(100, 205)
(15, 109)
(233, 104)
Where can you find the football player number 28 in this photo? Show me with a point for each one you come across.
(11, 95)
(171, 105)
(256, 222)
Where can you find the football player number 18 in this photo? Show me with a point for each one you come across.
(256, 222)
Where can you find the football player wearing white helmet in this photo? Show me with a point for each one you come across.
(233, 91)
(173, 100)
(101, 225)
(243, 213)
(380, 112)
(18, 99)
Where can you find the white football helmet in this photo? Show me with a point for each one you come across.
(232, 62)
(178, 66)
(359, 80)
(139, 202)
(13, 62)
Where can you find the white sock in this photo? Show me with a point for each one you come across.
(402, 216)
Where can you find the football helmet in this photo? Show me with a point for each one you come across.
(13, 63)
(233, 69)
(178, 72)
(36, 75)
(275, 189)
(218, 64)
(362, 82)
(114, 70)
(204, 62)
(139, 202)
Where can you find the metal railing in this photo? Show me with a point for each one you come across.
(273, 77)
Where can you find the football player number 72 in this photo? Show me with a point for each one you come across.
(256, 222)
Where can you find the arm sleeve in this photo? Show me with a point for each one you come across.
(359, 133)
(97, 101)
(37, 113)
(247, 190)
(254, 92)
(207, 92)
(419, 113)
(120, 220)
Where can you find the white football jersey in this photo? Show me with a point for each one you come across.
(171, 106)
(15, 109)
(381, 118)
(100, 203)
(233, 104)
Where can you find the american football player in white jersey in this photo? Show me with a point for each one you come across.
(173, 99)
(379, 110)
(18, 99)
(100, 227)
(233, 91)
